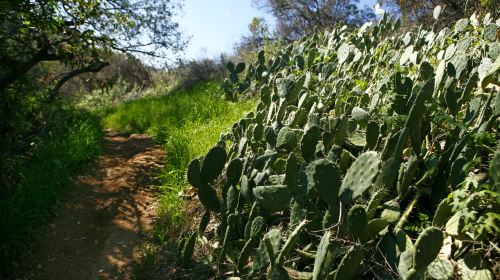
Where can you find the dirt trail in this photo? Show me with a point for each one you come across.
(103, 219)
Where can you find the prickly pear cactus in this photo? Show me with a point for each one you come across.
(324, 181)
(349, 266)
(208, 197)
(272, 198)
(187, 251)
(205, 219)
(360, 176)
(319, 270)
(366, 163)
(193, 173)
(213, 164)
(427, 247)
(356, 220)
(277, 273)
(234, 169)
(441, 269)
(495, 168)
(287, 139)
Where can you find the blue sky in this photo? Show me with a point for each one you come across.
(216, 25)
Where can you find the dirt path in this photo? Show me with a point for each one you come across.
(112, 207)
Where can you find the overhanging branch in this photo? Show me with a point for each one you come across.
(92, 68)
(18, 68)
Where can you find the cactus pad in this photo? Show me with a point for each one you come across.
(193, 173)
(320, 258)
(208, 197)
(427, 247)
(495, 167)
(349, 266)
(360, 176)
(187, 252)
(309, 141)
(234, 169)
(277, 273)
(213, 163)
(272, 198)
(440, 269)
(292, 174)
(323, 180)
(356, 220)
(287, 139)
(205, 219)
(372, 132)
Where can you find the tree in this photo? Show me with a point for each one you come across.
(259, 31)
(296, 18)
(416, 12)
(80, 33)
(259, 34)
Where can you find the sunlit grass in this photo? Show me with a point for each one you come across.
(188, 123)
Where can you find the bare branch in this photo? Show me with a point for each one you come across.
(92, 68)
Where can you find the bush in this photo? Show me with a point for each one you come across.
(190, 73)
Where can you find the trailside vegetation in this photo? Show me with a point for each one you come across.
(42, 177)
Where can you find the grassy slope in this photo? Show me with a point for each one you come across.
(44, 177)
(188, 122)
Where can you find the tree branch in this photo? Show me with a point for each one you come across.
(92, 68)
(17, 68)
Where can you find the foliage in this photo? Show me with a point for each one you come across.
(233, 85)
(260, 37)
(127, 79)
(75, 37)
(80, 33)
(190, 73)
(300, 17)
(43, 177)
(99, 99)
(356, 131)
(421, 11)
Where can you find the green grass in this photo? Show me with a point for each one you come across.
(44, 178)
(188, 123)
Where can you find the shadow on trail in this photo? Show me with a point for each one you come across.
(105, 216)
